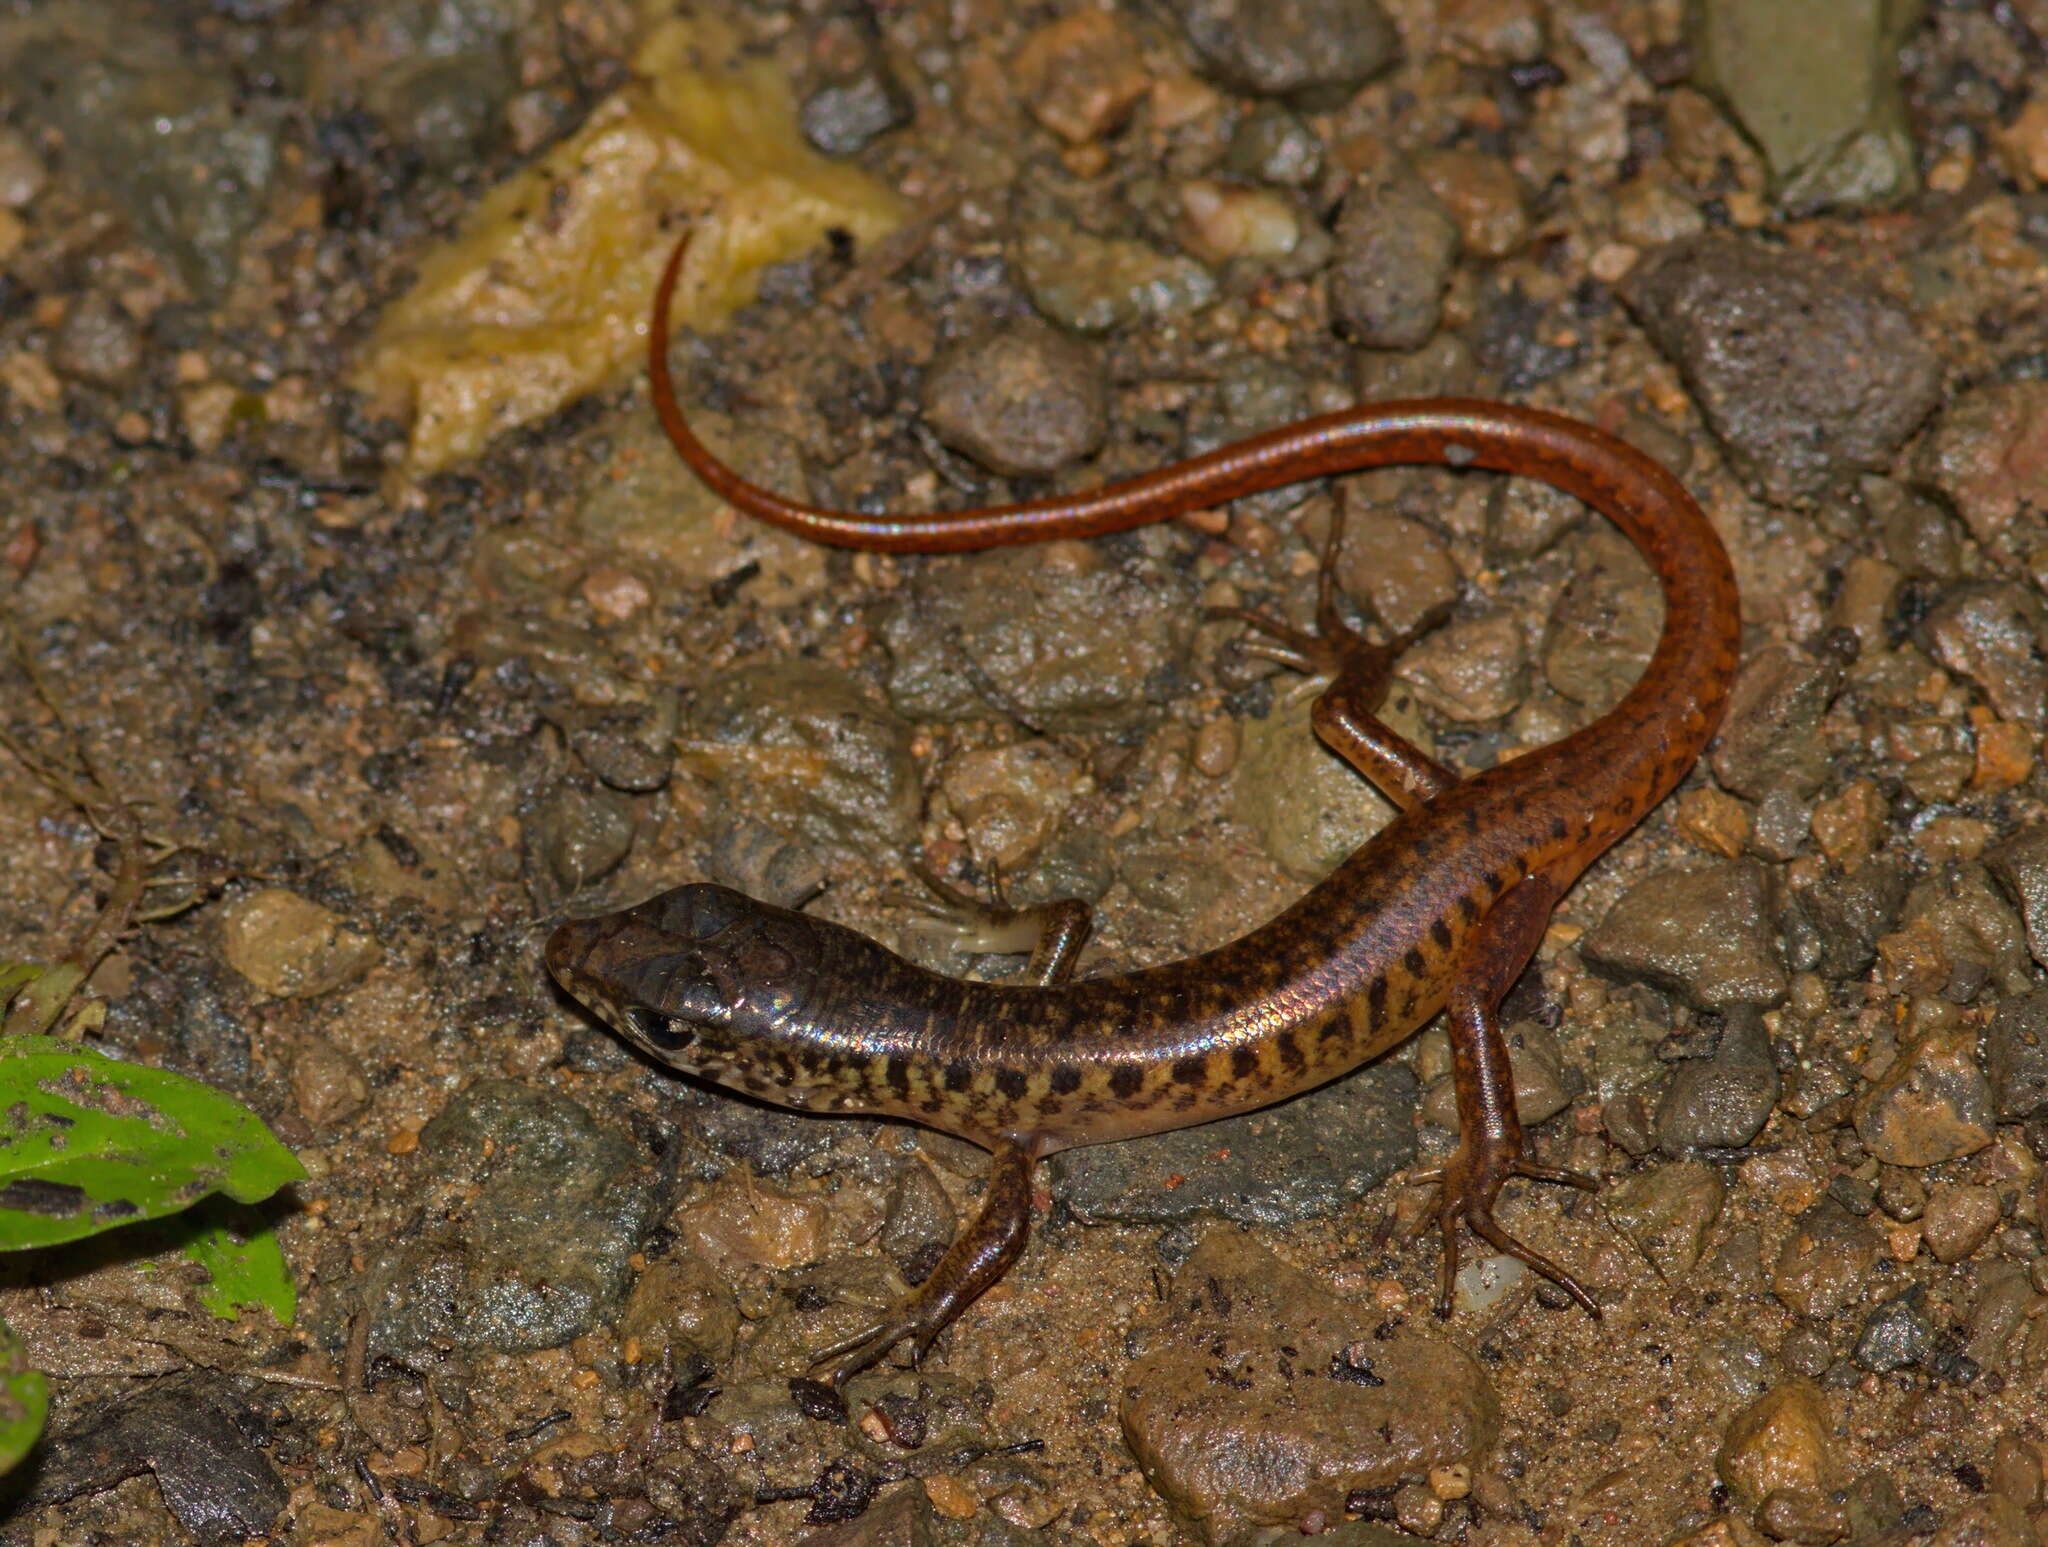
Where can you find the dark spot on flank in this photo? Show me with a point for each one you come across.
(1126, 1082)
(1494, 883)
(1559, 827)
(1440, 932)
(1413, 960)
(1467, 908)
(1190, 1071)
(897, 1072)
(959, 1074)
(1376, 998)
(1244, 1063)
(1290, 1053)
(1012, 1083)
(1064, 1079)
(1471, 817)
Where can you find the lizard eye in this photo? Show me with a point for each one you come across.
(655, 1030)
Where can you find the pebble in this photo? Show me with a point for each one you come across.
(1010, 799)
(1301, 1160)
(1223, 222)
(802, 748)
(1960, 1217)
(2016, 1057)
(1094, 284)
(1527, 517)
(744, 1222)
(1022, 399)
(1896, 1334)
(1705, 935)
(168, 143)
(1727, 1531)
(1605, 623)
(98, 342)
(1806, 373)
(1825, 1262)
(1933, 1104)
(22, 173)
(1398, 568)
(1275, 145)
(1396, 246)
(1724, 1101)
(1771, 739)
(1081, 75)
(1308, 807)
(1443, 367)
(1990, 1522)
(843, 117)
(681, 1305)
(1986, 455)
(1474, 670)
(1067, 636)
(1316, 51)
(1849, 826)
(579, 834)
(1784, 1439)
(327, 1085)
(1815, 84)
(1482, 196)
(1259, 1399)
(1957, 935)
(530, 1210)
(1667, 1212)
(293, 948)
(1993, 632)
(918, 1222)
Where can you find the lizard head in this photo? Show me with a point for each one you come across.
(684, 975)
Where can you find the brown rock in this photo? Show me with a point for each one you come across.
(1081, 75)
(1784, 1439)
(327, 1085)
(1988, 455)
(1823, 1263)
(1932, 1104)
(1958, 1219)
(291, 947)
(1667, 1213)
(1022, 399)
(1263, 1400)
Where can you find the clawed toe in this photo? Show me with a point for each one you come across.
(1467, 1199)
(840, 1362)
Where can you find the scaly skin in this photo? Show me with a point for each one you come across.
(1443, 907)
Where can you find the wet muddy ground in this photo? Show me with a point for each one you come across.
(403, 704)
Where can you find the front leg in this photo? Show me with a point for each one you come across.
(979, 1255)
(1489, 1129)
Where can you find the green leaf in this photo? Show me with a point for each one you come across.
(24, 1400)
(88, 1142)
(239, 1251)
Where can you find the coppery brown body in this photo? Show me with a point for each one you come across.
(1443, 907)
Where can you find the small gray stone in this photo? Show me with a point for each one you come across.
(1771, 740)
(1275, 145)
(1667, 1212)
(1395, 249)
(1299, 1160)
(918, 1223)
(1807, 374)
(1067, 636)
(1992, 632)
(1896, 1335)
(1816, 85)
(532, 1208)
(1702, 934)
(1260, 1399)
(1318, 51)
(1308, 806)
(1600, 634)
(1962, 933)
(1095, 284)
(1721, 1102)
(579, 834)
(842, 117)
(1982, 456)
(802, 748)
(1832, 923)
(1022, 399)
(2020, 865)
(2016, 1057)
(97, 342)
(1959, 1218)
